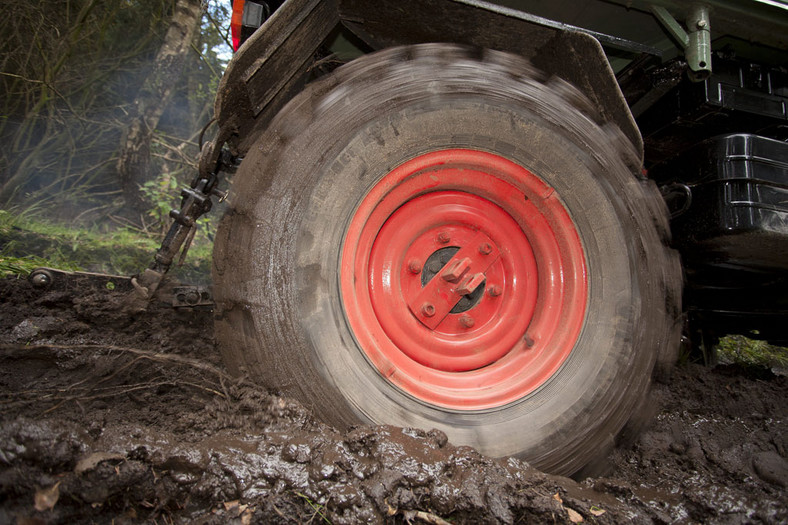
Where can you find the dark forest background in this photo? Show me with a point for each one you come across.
(101, 106)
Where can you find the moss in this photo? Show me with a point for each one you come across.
(742, 350)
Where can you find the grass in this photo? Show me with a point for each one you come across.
(319, 510)
(27, 241)
(10, 265)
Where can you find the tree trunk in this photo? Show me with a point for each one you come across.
(152, 99)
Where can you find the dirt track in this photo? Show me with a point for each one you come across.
(111, 418)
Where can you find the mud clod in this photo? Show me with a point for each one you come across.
(133, 419)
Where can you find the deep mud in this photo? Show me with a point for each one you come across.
(115, 418)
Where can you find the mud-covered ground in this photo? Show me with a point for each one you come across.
(108, 417)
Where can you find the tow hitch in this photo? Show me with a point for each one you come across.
(80, 282)
(196, 202)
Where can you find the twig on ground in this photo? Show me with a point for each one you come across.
(21, 351)
(81, 391)
(426, 517)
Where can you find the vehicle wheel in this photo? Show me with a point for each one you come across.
(440, 237)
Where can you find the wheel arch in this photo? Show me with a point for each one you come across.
(270, 68)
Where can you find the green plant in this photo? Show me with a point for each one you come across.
(160, 194)
(22, 266)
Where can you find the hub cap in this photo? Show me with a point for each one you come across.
(463, 279)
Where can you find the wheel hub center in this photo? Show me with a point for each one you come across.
(462, 275)
(433, 266)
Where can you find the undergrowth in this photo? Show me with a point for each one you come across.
(28, 241)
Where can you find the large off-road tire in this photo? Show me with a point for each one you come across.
(441, 237)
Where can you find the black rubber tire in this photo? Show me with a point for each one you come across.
(279, 316)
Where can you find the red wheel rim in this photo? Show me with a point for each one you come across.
(419, 249)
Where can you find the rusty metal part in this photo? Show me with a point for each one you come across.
(41, 278)
(196, 201)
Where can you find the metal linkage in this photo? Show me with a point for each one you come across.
(52, 279)
(696, 40)
(195, 203)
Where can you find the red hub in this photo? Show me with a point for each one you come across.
(463, 279)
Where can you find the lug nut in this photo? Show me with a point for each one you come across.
(443, 238)
(494, 290)
(485, 249)
(467, 321)
(428, 310)
(414, 266)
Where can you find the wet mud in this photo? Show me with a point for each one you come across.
(108, 417)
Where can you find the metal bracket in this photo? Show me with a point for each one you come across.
(695, 41)
(190, 296)
(678, 197)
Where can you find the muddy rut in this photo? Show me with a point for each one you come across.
(114, 418)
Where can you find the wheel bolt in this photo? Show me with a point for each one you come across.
(428, 310)
(467, 321)
(443, 238)
(485, 249)
(494, 290)
(414, 266)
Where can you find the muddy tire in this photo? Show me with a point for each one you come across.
(440, 237)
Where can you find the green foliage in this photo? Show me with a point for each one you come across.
(69, 70)
(161, 194)
(742, 350)
(22, 266)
